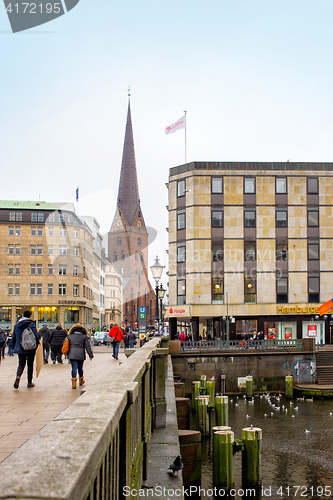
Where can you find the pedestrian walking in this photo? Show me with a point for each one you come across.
(10, 345)
(45, 333)
(132, 340)
(78, 345)
(117, 336)
(2, 341)
(126, 340)
(25, 356)
(57, 338)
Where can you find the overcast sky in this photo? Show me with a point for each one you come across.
(255, 77)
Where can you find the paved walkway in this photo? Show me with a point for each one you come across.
(24, 412)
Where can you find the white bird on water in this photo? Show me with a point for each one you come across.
(307, 432)
(292, 416)
(247, 416)
(331, 413)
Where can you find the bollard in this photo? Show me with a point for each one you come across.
(202, 415)
(251, 456)
(223, 385)
(222, 410)
(195, 393)
(210, 391)
(289, 386)
(203, 384)
(223, 459)
(249, 386)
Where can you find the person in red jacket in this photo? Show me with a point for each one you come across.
(117, 336)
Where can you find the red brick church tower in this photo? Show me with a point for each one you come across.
(128, 239)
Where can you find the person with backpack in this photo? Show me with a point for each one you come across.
(78, 345)
(25, 342)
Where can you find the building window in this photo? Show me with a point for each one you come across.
(217, 251)
(217, 185)
(313, 217)
(39, 269)
(10, 230)
(139, 242)
(62, 232)
(62, 289)
(10, 289)
(249, 250)
(250, 218)
(40, 231)
(61, 218)
(50, 289)
(17, 289)
(250, 289)
(40, 217)
(32, 269)
(17, 230)
(76, 251)
(217, 218)
(122, 255)
(10, 269)
(32, 289)
(76, 290)
(17, 250)
(141, 257)
(313, 288)
(18, 216)
(62, 269)
(281, 218)
(280, 185)
(136, 257)
(34, 217)
(33, 250)
(51, 231)
(10, 249)
(62, 250)
(281, 250)
(181, 252)
(181, 219)
(51, 217)
(76, 233)
(181, 291)
(249, 185)
(39, 289)
(115, 258)
(69, 218)
(12, 216)
(33, 231)
(312, 185)
(282, 289)
(180, 188)
(50, 269)
(119, 241)
(75, 270)
(313, 250)
(50, 250)
(217, 291)
(39, 249)
(17, 270)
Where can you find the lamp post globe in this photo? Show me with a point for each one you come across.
(156, 270)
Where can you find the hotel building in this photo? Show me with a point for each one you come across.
(250, 248)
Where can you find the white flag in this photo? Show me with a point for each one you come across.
(176, 126)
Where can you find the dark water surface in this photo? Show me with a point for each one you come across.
(291, 457)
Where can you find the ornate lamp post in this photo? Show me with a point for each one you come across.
(157, 270)
(161, 293)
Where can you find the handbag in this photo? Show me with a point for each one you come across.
(65, 347)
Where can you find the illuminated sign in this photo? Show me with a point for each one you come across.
(296, 310)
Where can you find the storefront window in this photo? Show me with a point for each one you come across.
(312, 329)
(287, 330)
(246, 328)
(71, 314)
(270, 330)
(5, 314)
(20, 311)
(47, 315)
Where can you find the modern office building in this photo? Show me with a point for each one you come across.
(128, 240)
(46, 265)
(251, 248)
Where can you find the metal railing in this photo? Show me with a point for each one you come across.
(241, 345)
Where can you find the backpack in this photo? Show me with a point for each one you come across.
(28, 339)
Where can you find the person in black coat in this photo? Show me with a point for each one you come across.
(45, 333)
(2, 342)
(78, 345)
(57, 338)
(24, 356)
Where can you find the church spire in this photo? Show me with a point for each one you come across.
(128, 192)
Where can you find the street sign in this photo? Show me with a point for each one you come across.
(142, 320)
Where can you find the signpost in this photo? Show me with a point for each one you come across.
(142, 321)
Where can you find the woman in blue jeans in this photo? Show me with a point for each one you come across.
(78, 345)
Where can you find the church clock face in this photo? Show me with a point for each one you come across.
(119, 223)
(139, 223)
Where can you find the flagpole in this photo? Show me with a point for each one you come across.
(185, 137)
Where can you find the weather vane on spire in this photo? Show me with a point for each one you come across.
(129, 91)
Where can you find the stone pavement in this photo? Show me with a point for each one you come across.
(24, 412)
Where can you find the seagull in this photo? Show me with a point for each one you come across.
(236, 404)
(247, 416)
(307, 432)
(272, 413)
(292, 416)
(231, 400)
(265, 414)
(331, 413)
(176, 466)
(277, 407)
(296, 408)
(291, 403)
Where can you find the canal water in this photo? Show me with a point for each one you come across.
(297, 448)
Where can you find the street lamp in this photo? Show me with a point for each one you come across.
(156, 270)
(227, 319)
(161, 293)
